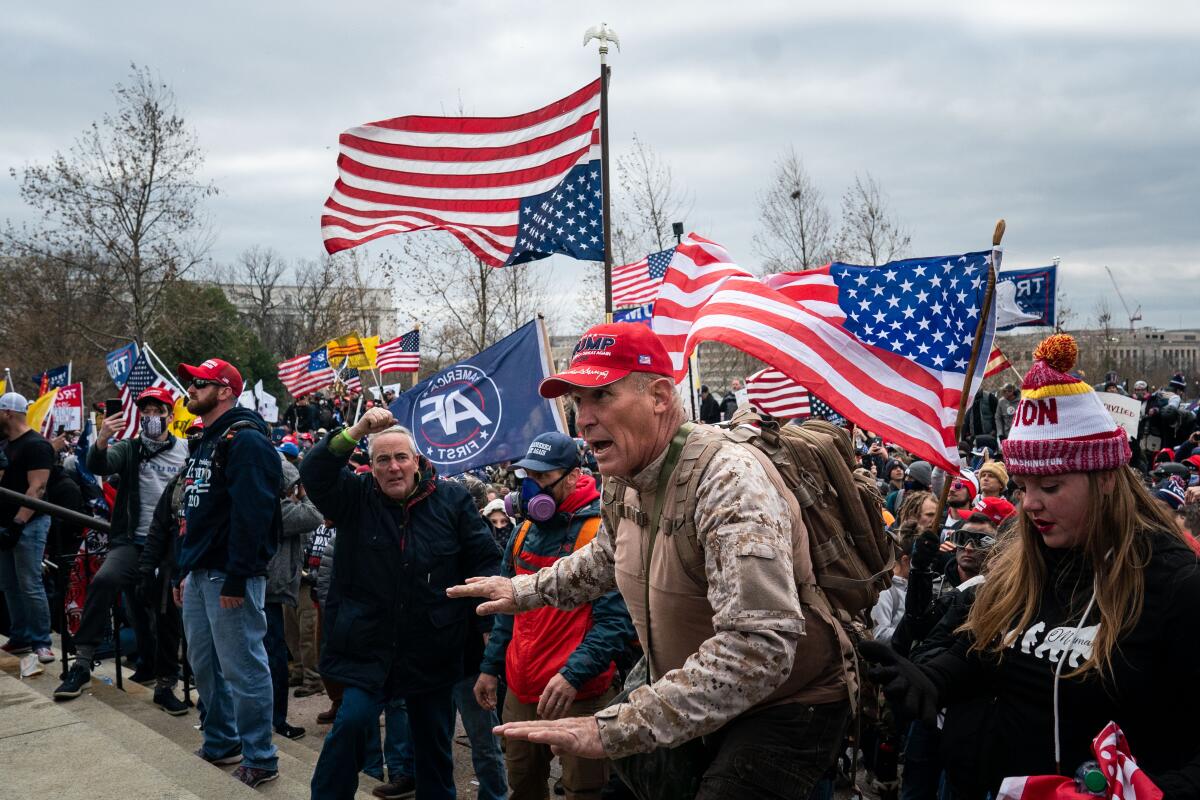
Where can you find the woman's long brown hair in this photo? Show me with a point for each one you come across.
(1119, 520)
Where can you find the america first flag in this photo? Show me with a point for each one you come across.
(887, 347)
(511, 189)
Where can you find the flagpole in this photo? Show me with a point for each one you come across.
(170, 374)
(548, 365)
(603, 34)
(980, 327)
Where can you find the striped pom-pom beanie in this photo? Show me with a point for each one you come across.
(1060, 425)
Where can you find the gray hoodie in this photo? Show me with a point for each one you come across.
(300, 519)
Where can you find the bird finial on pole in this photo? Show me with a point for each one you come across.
(603, 34)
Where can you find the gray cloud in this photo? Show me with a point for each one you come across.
(1078, 122)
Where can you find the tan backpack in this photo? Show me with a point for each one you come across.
(840, 504)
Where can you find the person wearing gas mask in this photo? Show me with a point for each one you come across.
(144, 465)
(555, 663)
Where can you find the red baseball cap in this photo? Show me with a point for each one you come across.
(1193, 461)
(997, 509)
(606, 353)
(214, 369)
(158, 394)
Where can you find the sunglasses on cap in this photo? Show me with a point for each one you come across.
(978, 540)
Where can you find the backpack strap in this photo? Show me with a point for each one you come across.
(591, 526)
(519, 540)
(673, 452)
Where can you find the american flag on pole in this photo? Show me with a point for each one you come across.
(887, 347)
(306, 373)
(778, 395)
(996, 363)
(402, 354)
(141, 377)
(637, 283)
(511, 189)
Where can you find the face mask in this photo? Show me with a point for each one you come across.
(153, 427)
(533, 501)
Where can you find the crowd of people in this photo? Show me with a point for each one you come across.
(648, 603)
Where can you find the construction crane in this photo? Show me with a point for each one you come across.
(1136, 315)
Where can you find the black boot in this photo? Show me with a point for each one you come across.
(78, 679)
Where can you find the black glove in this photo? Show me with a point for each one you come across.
(903, 682)
(925, 550)
(144, 590)
(10, 534)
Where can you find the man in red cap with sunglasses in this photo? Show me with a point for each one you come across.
(231, 520)
(144, 464)
(747, 689)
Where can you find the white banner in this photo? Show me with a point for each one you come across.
(1126, 411)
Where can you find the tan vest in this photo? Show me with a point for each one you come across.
(680, 614)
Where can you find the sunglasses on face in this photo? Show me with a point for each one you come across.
(200, 383)
(980, 541)
(958, 485)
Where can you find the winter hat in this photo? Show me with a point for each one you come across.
(996, 470)
(921, 472)
(1171, 491)
(1060, 424)
(972, 483)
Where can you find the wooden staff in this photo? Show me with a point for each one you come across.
(980, 328)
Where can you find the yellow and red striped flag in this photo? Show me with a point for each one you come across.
(997, 363)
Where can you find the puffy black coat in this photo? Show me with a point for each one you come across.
(388, 623)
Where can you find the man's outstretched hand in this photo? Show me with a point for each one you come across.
(497, 590)
(904, 683)
(577, 736)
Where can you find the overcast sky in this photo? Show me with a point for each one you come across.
(1079, 122)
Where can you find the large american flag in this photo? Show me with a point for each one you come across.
(637, 283)
(141, 377)
(511, 189)
(402, 354)
(778, 395)
(887, 347)
(306, 373)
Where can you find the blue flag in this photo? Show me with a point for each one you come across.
(642, 314)
(120, 361)
(1025, 297)
(56, 378)
(484, 409)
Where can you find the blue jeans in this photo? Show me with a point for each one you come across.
(344, 755)
(229, 662)
(485, 751)
(24, 590)
(397, 750)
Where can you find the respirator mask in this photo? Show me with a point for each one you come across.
(533, 501)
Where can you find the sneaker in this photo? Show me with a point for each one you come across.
(308, 690)
(45, 654)
(78, 679)
(401, 786)
(232, 757)
(327, 716)
(164, 698)
(143, 676)
(14, 649)
(253, 776)
(290, 731)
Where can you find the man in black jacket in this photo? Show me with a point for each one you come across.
(390, 631)
(229, 531)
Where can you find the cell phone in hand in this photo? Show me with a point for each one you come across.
(112, 406)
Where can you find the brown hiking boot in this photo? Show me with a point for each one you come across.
(327, 716)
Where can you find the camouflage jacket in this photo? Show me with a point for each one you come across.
(752, 646)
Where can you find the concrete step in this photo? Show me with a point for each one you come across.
(168, 743)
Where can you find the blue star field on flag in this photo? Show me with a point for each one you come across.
(657, 263)
(318, 359)
(924, 309)
(567, 219)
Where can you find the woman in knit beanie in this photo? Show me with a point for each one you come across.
(1089, 610)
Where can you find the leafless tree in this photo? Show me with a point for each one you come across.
(650, 200)
(468, 304)
(796, 228)
(121, 209)
(869, 233)
(253, 284)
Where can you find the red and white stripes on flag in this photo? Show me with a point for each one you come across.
(294, 374)
(797, 325)
(632, 284)
(402, 354)
(778, 395)
(996, 363)
(465, 175)
(1125, 779)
